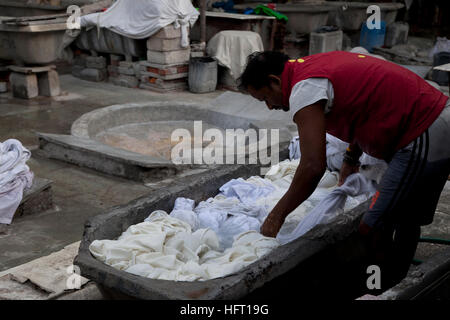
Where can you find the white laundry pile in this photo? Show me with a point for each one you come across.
(371, 167)
(165, 248)
(221, 235)
(141, 19)
(15, 176)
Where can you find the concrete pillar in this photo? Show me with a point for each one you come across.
(48, 83)
(24, 86)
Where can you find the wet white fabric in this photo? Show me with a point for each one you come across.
(140, 19)
(330, 206)
(294, 148)
(183, 210)
(247, 191)
(15, 176)
(165, 248)
(229, 217)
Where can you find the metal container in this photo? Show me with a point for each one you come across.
(202, 74)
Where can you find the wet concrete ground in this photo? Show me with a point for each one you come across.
(82, 193)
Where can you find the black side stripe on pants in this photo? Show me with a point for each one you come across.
(409, 172)
(423, 161)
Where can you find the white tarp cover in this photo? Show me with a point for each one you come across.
(15, 176)
(231, 48)
(140, 19)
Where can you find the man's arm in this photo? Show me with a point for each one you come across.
(311, 128)
(350, 164)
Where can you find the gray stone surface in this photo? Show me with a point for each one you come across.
(98, 156)
(146, 75)
(129, 81)
(96, 62)
(93, 74)
(396, 33)
(325, 42)
(169, 57)
(36, 199)
(181, 86)
(24, 86)
(48, 83)
(126, 71)
(160, 44)
(168, 32)
(428, 281)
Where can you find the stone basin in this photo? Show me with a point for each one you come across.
(31, 44)
(134, 140)
(320, 262)
(349, 16)
(302, 17)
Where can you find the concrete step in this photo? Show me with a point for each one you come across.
(36, 199)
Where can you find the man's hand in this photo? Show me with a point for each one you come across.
(271, 225)
(345, 171)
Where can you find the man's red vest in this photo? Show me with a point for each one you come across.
(377, 104)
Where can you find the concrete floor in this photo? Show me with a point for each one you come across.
(82, 193)
(78, 193)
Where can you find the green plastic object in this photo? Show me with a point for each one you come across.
(269, 12)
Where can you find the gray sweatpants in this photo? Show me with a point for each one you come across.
(407, 198)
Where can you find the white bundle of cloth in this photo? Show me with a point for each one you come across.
(221, 235)
(356, 185)
(163, 247)
(231, 48)
(371, 167)
(140, 19)
(15, 176)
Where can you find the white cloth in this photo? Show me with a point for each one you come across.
(231, 49)
(165, 248)
(15, 176)
(309, 91)
(372, 168)
(140, 19)
(183, 210)
(442, 45)
(294, 148)
(247, 191)
(330, 206)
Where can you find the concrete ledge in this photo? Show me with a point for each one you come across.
(428, 281)
(36, 199)
(92, 154)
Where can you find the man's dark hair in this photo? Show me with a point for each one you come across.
(259, 66)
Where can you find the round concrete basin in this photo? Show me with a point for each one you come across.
(147, 128)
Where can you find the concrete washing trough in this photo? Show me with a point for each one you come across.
(319, 264)
(302, 17)
(306, 16)
(35, 44)
(107, 41)
(349, 16)
(133, 141)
